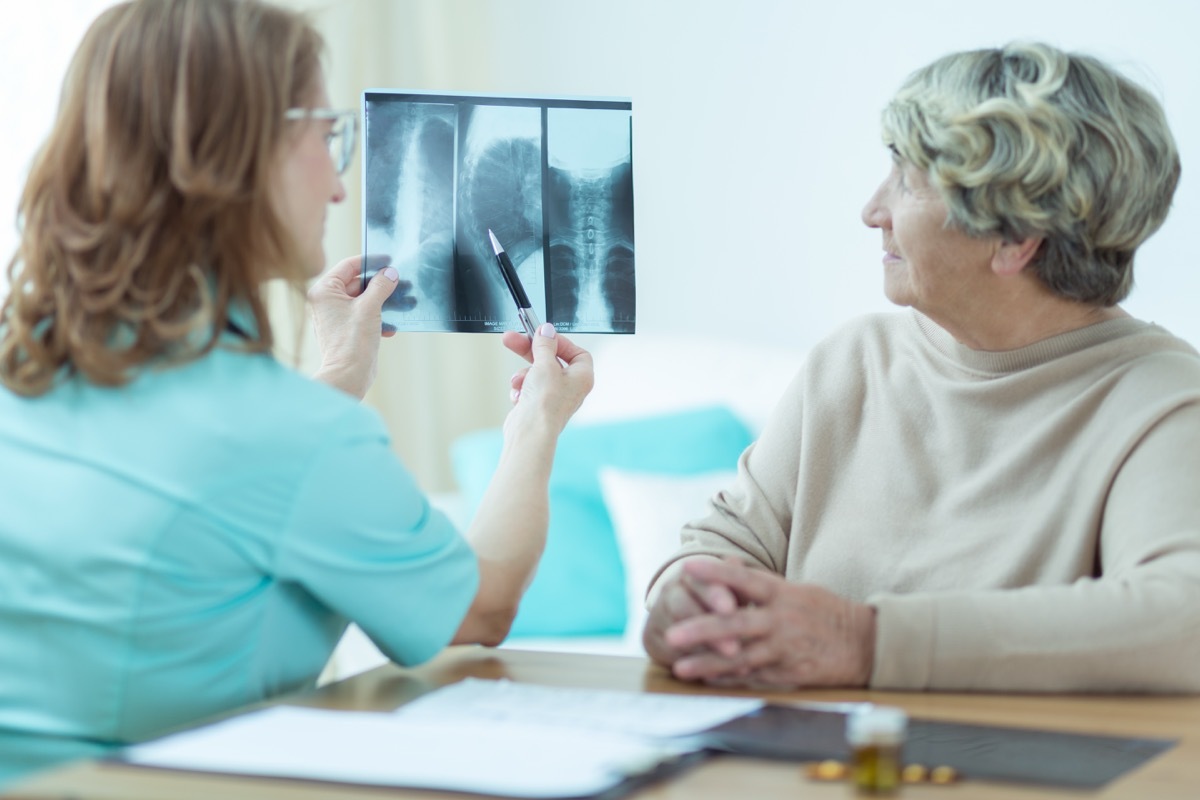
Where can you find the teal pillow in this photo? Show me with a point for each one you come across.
(579, 588)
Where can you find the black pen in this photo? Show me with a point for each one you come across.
(529, 320)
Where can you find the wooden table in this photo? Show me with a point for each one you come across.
(1175, 774)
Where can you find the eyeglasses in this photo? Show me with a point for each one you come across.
(340, 139)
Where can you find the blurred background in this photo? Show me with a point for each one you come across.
(756, 143)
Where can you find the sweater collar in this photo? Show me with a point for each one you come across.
(999, 362)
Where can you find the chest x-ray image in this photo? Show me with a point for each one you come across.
(551, 177)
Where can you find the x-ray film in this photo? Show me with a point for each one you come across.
(551, 177)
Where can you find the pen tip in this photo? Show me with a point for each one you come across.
(495, 242)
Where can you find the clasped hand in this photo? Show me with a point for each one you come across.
(727, 624)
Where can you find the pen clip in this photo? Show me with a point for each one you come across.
(529, 320)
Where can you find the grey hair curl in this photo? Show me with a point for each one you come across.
(1027, 140)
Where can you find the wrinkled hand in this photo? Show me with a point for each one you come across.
(348, 323)
(791, 635)
(553, 386)
(684, 597)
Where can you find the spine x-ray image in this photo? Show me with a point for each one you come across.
(552, 178)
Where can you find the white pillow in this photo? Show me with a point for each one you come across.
(648, 510)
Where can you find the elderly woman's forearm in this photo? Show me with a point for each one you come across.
(1139, 633)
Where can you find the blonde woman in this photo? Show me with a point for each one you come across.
(188, 525)
(997, 488)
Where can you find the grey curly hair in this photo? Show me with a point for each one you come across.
(1028, 140)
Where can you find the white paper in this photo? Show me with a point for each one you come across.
(513, 759)
(630, 713)
(490, 737)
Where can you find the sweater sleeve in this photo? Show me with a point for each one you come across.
(751, 519)
(1136, 627)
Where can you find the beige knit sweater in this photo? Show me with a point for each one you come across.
(1021, 520)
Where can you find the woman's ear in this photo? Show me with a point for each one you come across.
(1012, 257)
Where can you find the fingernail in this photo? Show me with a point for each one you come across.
(391, 274)
(547, 330)
(514, 395)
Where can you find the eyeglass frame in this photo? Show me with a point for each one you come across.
(341, 159)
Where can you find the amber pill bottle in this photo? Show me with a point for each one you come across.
(876, 738)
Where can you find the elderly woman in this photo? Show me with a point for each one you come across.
(998, 489)
(188, 525)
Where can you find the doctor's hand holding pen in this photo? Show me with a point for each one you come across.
(555, 383)
(560, 375)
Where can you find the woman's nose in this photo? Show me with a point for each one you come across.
(875, 213)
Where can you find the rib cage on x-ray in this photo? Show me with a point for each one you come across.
(553, 180)
(499, 189)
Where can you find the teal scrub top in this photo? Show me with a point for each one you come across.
(198, 540)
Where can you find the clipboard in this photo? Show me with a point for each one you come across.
(982, 752)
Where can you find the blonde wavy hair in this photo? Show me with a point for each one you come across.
(146, 217)
(1028, 141)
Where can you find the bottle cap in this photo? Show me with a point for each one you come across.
(876, 725)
